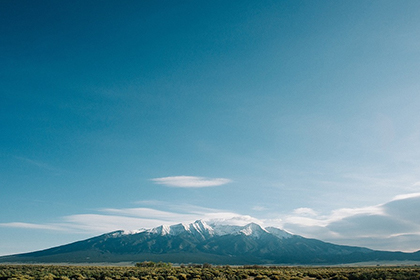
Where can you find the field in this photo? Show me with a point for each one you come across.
(208, 272)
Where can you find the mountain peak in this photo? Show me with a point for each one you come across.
(254, 230)
(202, 227)
(198, 227)
(202, 230)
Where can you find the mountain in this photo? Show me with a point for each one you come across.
(200, 242)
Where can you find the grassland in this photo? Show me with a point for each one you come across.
(55, 272)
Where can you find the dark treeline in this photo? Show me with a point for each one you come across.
(161, 271)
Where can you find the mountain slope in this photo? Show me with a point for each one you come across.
(200, 242)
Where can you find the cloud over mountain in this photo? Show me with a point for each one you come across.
(385, 226)
(203, 242)
(393, 225)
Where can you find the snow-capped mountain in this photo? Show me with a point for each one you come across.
(200, 242)
(201, 228)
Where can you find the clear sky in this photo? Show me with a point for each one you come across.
(130, 114)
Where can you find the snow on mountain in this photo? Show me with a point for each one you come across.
(204, 230)
(202, 227)
(198, 227)
(279, 232)
(168, 230)
(253, 230)
(128, 232)
(177, 229)
(225, 229)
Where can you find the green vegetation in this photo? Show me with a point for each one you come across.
(153, 264)
(161, 271)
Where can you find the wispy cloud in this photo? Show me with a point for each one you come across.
(309, 217)
(303, 211)
(190, 181)
(406, 196)
(150, 213)
(111, 219)
(238, 220)
(42, 165)
(385, 226)
(102, 223)
(31, 226)
(388, 226)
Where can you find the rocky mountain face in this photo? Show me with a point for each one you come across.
(200, 242)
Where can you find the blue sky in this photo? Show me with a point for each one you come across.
(297, 114)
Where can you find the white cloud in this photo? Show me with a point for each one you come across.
(309, 217)
(342, 213)
(31, 226)
(406, 196)
(147, 213)
(131, 219)
(190, 181)
(97, 223)
(394, 225)
(305, 221)
(233, 219)
(304, 211)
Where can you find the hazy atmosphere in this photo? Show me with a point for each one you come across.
(303, 115)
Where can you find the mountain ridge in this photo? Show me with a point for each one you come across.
(201, 227)
(214, 243)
